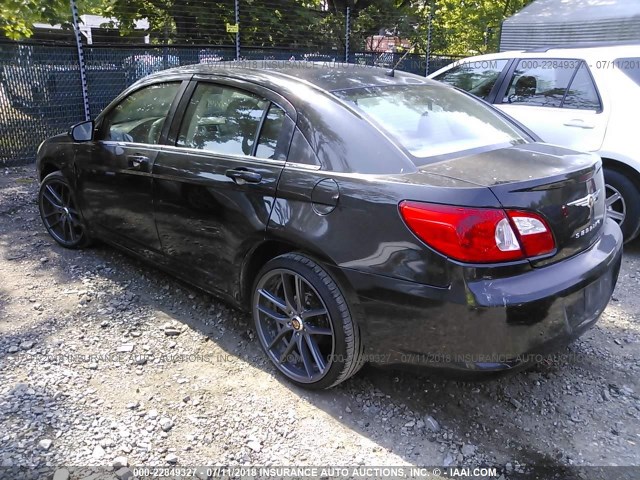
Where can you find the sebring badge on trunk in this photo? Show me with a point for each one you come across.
(588, 201)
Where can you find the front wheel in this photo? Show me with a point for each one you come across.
(304, 324)
(59, 212)
(623, 203)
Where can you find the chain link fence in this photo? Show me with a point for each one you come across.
(42, 91)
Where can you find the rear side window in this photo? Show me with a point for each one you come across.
(270, 143)
(226, 120)
(556, 83)
(630, 67)
(582, 92)
(431, 120)
(476, 77)
(540, 82)
(222, 119)
(301, 151)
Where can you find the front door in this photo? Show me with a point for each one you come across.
(114, 171)
(216, 187)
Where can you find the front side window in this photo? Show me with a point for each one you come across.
(540, 82)
(139, 118)
(476, 77)
(222, 119)
(432, 120)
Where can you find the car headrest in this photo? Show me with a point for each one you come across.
(526, 86)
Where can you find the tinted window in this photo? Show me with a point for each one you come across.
(301, 151)
(140, 117)
(270, 143)
(582, 92)
(630, 67)
(429, 120)
(477, 77)
(540, 82)
(222, 119)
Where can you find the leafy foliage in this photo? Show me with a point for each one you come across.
(469, 26)
(18, 16)
(458, 26)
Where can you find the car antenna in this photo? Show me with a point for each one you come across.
(392, 72)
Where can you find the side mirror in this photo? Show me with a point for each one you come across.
(82, 132)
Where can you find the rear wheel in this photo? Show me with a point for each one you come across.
(623, 202)
(304, 324)
(59, 212)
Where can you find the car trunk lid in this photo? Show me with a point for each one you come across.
(565, 186)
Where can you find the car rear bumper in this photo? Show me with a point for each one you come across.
(487, 324)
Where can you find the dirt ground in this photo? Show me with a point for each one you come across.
(105, 361)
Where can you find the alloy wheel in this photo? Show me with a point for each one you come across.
(59, 213)
(615, 204)
(294, 325)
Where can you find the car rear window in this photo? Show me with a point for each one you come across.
(630, 67)
(429, 120)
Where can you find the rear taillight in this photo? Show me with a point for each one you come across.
(534, 233)
(478, 235)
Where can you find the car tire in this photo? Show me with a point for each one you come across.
(59, 212)
(623, 198)
(304, 323)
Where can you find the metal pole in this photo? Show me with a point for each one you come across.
(429, 28)
(347, 35)
(83, 71)
(237, 6)
(165, 50)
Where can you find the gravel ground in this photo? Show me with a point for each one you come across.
(105, 361)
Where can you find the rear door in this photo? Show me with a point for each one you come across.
(558, 100)
(215, 184)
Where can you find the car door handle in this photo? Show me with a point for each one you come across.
(244, 175)
(138, 162)
(576, 122)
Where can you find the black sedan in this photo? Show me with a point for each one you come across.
(361, 215)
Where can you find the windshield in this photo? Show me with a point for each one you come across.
(429, 120)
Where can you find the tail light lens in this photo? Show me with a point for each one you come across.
(478, 235)
(535, 235)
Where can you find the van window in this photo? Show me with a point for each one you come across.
(476, 77)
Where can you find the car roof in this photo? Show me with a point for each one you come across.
(327, 76)
(607, 52)
(308, 87)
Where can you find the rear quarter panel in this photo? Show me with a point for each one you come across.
(365, 231)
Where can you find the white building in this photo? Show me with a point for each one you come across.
(91, 24)
(565, 22)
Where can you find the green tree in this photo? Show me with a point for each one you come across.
(460, 27)
(275, 22)
(18, 16)
(467, 27)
